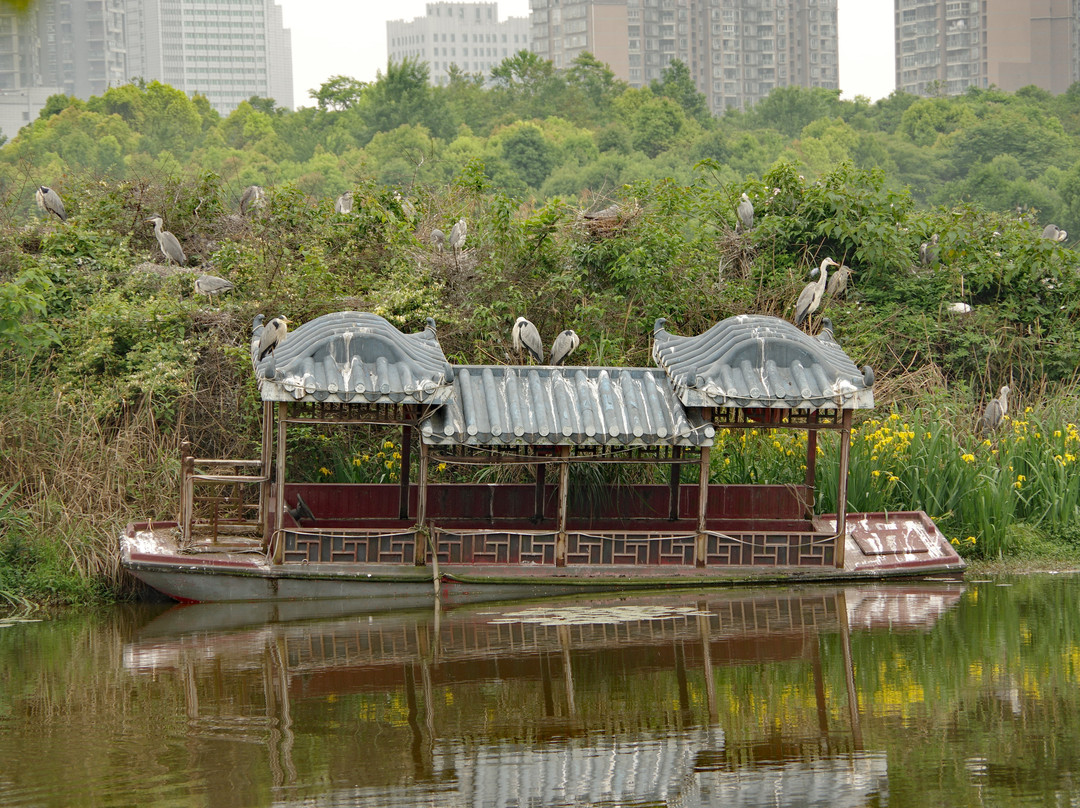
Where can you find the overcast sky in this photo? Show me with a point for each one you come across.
(332, 37)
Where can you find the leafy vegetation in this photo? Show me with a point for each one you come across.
(108, 359)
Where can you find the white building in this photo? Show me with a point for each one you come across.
(468, 35)
(227, 50)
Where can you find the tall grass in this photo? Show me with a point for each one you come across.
(976, 487)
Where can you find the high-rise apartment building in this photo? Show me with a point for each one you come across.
(227, 51)
(75, 47)
(948, 46)
(468, 35)
(738, 51)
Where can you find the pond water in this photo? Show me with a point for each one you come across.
(915, 694)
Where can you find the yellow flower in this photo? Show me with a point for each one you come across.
(1020, 478)
(388, 445)
(325, 471)
(893, 478)
(954, 542)
(389, 464)
(987, 442)
(442, 467)
(366, 458)
(970, 540)
(1018, 484)
(968, 458)
(876, 472)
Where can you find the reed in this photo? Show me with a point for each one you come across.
(978, 488)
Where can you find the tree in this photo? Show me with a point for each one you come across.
(528, 154)
(677, 84)
(338, 93)
(789, 109)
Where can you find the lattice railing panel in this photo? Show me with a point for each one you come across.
(629, 548)
(769, 550)
(495, 547)
(350, 546)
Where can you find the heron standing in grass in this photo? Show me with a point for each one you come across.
(457, 235)
(253, 199)
(810, 297)
(438, 238)
(928, 252)
(565, 344)
(526, 339)
(49, 201)
(211, 285)
(170, 245)
(273, 335)
(838, 281)
(995, 412)
(745, 212)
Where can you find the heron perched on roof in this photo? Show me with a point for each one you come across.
(211, 285)
(826, 334)
(995, 411)
(838, 281)
(273, 335)
(253, 199)
(343, 204)
(457, 234)
(565, 344)
(170, 245)
(527, 339)
(1054, 233)
(810, 297)
(745, 212)
(438, 238)
(49, 201)
(928, 251)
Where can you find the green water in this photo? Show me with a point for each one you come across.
(903, 695)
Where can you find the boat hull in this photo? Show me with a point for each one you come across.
(878, 546)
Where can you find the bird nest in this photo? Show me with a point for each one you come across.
(162, 270)
(610, 221)
(737, 253)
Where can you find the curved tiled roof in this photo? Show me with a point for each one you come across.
(546, 405)
(354, 357)
(759, 361)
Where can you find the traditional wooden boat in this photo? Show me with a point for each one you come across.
(245, 531)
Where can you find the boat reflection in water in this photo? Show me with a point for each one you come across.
(636, 700)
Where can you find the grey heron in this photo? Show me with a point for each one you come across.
(170, 245)
(610, 212)
(49, 201)
(745, 213)
(527, 339)
(838, 281)
(826, 334)
(406, 205)
(438, 238)
(273, 335)
(457, 235)
(344, 203)
(995, 411)
(1054, 233)
(928, 251)
(253, 199)
(810, 297)
(565, 344)
(211, 285)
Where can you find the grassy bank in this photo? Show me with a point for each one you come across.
(108, 360)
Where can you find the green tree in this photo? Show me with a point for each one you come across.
(338, 93)
(677, 84)
(528, 154)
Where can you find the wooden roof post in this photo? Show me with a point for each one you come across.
(406, 463)
(811, 458)
(187, 493)
(841, 494)
(673, 484)
(264, 469)
(420, 550)
(564, 486)
(701, 545)
(541, 490)
(279, 498)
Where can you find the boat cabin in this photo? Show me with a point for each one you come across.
(570, 428)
